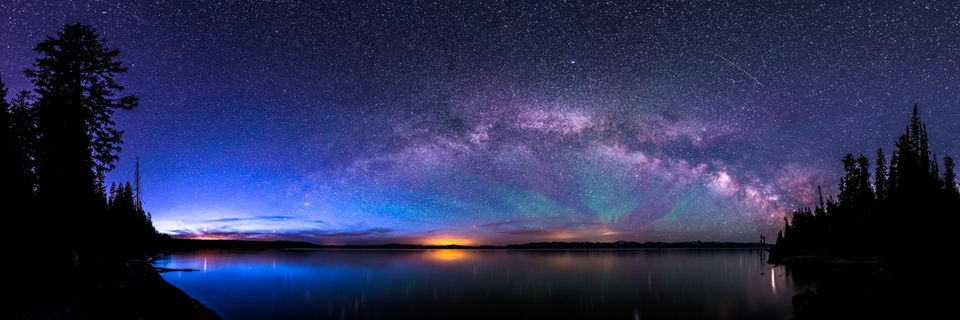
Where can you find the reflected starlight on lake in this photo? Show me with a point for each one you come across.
(457, 283)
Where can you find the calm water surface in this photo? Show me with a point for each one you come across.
(494, 284)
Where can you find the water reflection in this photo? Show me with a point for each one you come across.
(456, 284)
(448, 254)
(773, 280)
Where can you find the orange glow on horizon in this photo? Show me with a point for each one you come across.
(560, 235)
(448, 242)
(207, 238)
(200, 237)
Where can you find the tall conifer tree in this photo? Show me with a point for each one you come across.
(77, 142)
(74, 78)
(880, 177)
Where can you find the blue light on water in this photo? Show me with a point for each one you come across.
(382, 284)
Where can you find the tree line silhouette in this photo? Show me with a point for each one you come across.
(58, 141)
(907, 208)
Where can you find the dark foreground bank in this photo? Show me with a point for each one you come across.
(845, 288)
(871, 288)
(119, 289)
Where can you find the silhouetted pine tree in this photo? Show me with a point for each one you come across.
(23, 117)
(880, 177)
(17, 140)
(894, 173)
(74, 81)
(8, 159)
(950, 181)
(7, 152)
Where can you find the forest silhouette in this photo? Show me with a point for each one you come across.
(78, 249)
(871, 247)
(58, 142)
(904, 210)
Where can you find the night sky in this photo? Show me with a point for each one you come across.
(503, 122)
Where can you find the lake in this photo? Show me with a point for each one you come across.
(487, 284)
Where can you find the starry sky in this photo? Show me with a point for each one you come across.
(493, 122)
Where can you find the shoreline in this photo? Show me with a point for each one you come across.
(187, 307)
(115, 289)
(844, 287)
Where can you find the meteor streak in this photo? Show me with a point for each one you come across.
(738, 68)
